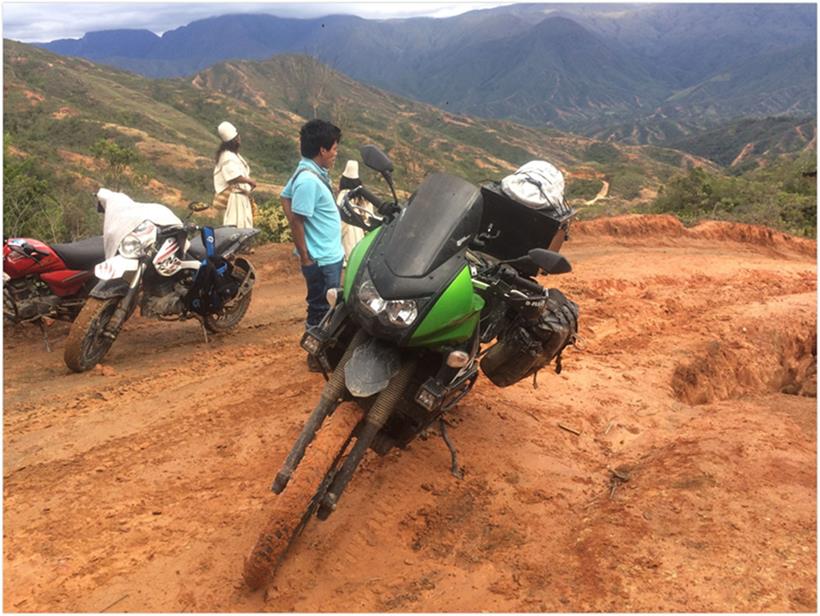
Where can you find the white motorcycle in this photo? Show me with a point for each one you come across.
(152, 263)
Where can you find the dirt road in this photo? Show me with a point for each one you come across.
(141, 486)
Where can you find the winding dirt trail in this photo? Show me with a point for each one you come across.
(141, 486)
(601, 193)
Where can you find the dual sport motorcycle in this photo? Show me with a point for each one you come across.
(435, 290)
(151, 262)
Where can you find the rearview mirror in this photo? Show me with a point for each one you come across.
(198, 206)
(549, 261)
(374, 158)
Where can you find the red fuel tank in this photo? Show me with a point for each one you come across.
(24, 257)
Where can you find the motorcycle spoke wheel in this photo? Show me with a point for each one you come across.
(293, 508)
(230, 316)
(85, 345)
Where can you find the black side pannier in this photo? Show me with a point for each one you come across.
(510, 229)
(527, 347)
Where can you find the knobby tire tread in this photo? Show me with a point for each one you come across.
(73, 353)
(287, 516)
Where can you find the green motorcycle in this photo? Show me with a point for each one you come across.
(435, 290)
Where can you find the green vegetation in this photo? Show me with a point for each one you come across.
(779, 196)
(579, 188)
(117, 159)
(750, 140)
(271, 221)
(35, 204)
(627, 183)
(604, 153)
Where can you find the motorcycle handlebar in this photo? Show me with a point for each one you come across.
(512, 277)
(369, 196)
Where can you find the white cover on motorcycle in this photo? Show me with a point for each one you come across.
(538, 184)
(123, 215)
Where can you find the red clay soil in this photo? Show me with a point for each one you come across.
(690, 486)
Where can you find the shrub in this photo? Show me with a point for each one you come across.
(271, 221)
(582, 188)
(603, 153)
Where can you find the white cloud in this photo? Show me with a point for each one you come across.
(41, 22)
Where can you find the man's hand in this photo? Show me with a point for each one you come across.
(297, 230)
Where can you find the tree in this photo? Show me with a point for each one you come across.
(27, 203)
(117, 159)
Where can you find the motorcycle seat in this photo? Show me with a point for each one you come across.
(223, 236)
(81, 255)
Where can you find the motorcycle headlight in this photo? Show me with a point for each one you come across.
(131, 247)
(370, 298)
(398, 312)
(401, 312)
(135, 244)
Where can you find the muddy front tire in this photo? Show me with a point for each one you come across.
(86, 345)
(294, 507)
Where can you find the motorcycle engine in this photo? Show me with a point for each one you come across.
(164, 300)
(24, 300)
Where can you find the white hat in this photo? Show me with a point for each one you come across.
(227, 131)
(351, 170)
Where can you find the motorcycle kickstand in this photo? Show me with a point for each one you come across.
(204, 330)
(455, 471)
(45, 334)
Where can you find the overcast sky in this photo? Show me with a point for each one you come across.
(41, 22)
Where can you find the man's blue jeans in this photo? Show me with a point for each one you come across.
(319, 279)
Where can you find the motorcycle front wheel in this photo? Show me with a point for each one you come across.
(86, 345)
(294, 507)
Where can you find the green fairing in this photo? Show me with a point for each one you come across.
(454, 316)
(355, 260)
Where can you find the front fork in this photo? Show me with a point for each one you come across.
(124, 307)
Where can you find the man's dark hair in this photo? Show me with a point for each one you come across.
(318, 134)
(231, 146)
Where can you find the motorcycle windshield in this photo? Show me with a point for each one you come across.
(123, 215)
(440, 220)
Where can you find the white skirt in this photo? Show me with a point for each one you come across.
(239, 212)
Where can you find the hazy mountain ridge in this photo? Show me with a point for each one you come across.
(581, 67)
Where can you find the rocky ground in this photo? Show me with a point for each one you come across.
(682, 476)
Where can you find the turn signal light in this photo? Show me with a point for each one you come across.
(457, 359)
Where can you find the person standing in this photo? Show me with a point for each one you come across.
(314, 220)
(351, 235)
(232, 178)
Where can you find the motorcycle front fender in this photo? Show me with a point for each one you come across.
(371, 367)
(115, 267)
(106, 289)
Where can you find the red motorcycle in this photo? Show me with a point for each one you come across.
(52, 281)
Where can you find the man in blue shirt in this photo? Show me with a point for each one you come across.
(310, 208)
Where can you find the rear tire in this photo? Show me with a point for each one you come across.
(230, 316)
(86, 345)
(293, 508)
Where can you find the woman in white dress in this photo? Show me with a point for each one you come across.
(232, 174)
(350, 179)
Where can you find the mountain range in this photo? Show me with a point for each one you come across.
(57, 108)
(645, 73)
